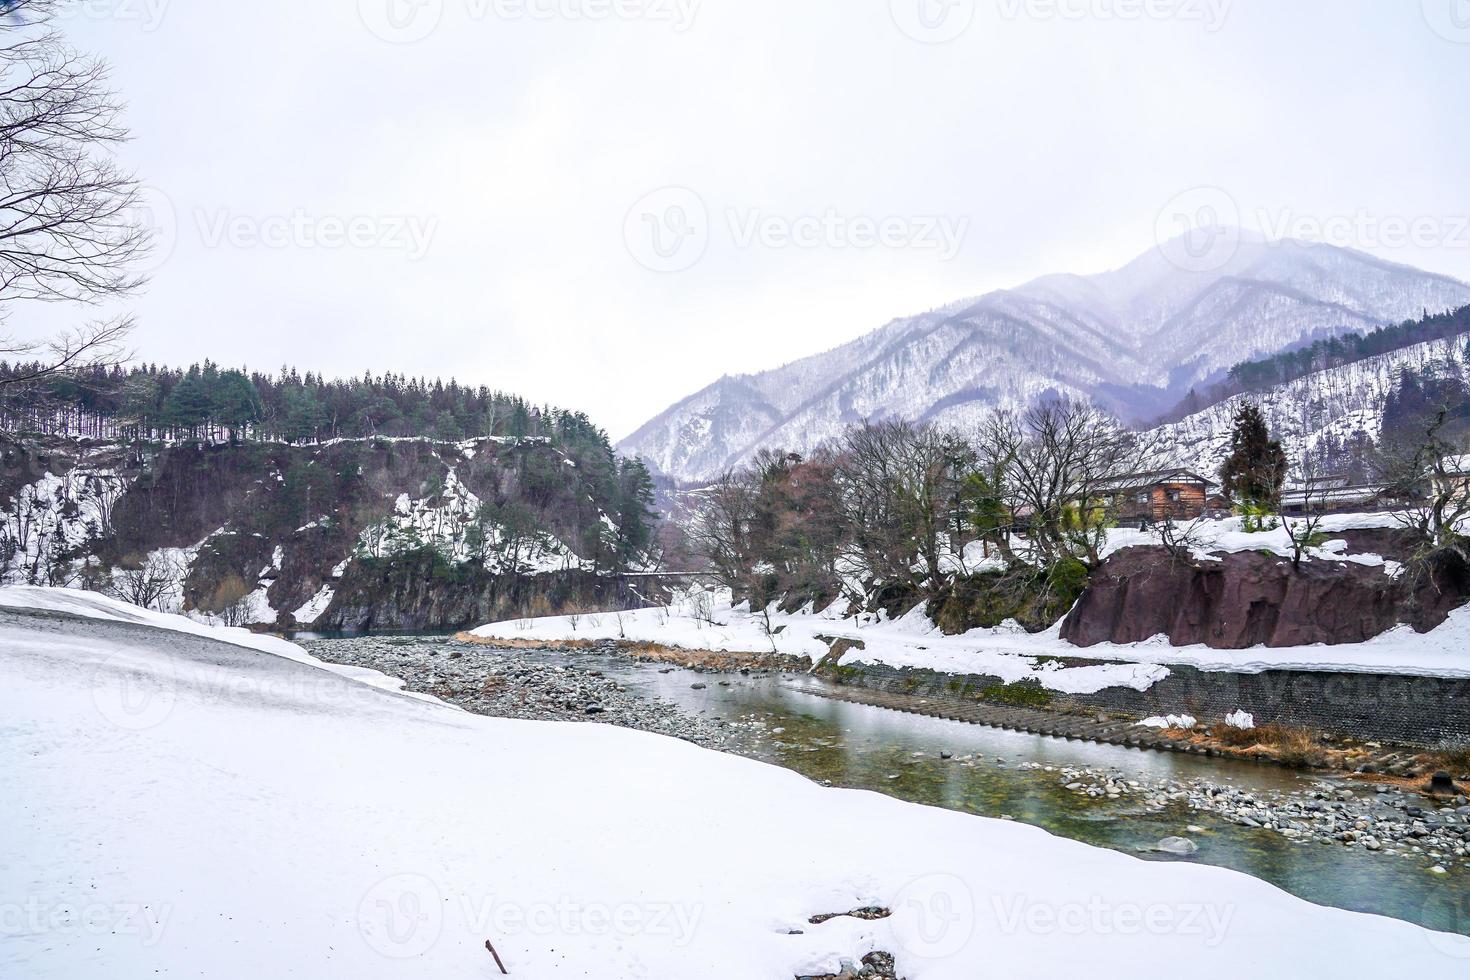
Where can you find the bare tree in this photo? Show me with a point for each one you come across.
(900, 485)
(148, 583)
(71, 224)
(721, 530)
(1065, 464)
(1305, 530)
(1428, 473)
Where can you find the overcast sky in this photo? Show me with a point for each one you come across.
(607, 204)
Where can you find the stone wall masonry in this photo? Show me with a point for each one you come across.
(1420, 711)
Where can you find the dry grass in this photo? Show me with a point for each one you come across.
(654, 652)
(1452, 758)
(1293, 746)
(1237, 738)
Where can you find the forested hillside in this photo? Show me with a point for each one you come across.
(1322, 355)
(294, 500)
(1331, 421)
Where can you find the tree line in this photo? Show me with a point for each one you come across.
(206, 401)
(1322, 355)
(887, 511)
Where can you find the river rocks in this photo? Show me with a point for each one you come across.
(1180, 846)
(515, 684)
(1249, 599)
(1380, 819)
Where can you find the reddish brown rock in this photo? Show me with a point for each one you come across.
(1250, 599)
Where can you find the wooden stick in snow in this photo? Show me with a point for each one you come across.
(491, 948)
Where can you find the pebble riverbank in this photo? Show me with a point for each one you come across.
(513, 684)
(1383, 819)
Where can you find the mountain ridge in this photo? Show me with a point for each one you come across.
(1133, 339)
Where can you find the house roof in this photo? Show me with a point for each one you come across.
(1332, 495)
(1150, 478)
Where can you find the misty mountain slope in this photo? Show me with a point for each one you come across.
(1321, 413)
(1134, 340)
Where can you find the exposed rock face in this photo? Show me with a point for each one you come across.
(1252, 599)
(356, 534)
(416, 593)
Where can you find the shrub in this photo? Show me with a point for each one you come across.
(1453, 757)
(1293, 746)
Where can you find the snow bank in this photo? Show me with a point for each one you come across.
(708, 621)
(93, 605)
(155, 827)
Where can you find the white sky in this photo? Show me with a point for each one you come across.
(522, 133)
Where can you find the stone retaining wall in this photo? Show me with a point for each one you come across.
(1405, 710)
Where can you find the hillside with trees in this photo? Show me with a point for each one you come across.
(1322, 355)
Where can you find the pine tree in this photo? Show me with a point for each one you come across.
(1255, 470)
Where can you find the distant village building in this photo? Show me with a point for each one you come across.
(1161, 495)
(1454, 476)
(1332, 495)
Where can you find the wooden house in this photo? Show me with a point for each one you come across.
(1161, 495)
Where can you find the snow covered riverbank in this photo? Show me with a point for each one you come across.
(1007, 652)
(192, 807)
(707, 620)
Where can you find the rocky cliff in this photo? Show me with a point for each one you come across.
(1240, 600)
(381, 533)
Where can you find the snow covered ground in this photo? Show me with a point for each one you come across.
(709, 622)
(180, 806)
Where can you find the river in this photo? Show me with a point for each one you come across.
(991, 772)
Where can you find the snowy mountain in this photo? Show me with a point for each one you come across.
(1134, 340)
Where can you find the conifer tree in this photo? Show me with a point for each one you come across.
(1255, 470)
